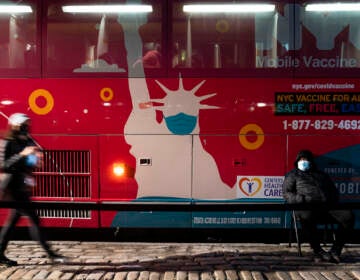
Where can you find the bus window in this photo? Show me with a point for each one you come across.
(327, 38)
(237, 36)
(152, 57)
(89, 37)
(19, 47)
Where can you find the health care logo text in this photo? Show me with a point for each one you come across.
(263, 187)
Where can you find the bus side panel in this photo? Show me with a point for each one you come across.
(249, 168)
(163, 169)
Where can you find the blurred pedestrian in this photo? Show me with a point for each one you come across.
(19, 156)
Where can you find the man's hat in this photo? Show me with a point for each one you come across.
(307, 154)
(18, 119)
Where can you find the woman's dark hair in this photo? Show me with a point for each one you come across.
(14, 131)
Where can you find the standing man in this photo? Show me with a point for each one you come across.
(306, 184)
(19, 156)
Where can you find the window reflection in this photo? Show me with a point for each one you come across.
(293, 36)
(18, 45)
(152, 56)
(90, 38)
(225, 35)
(83, 42)
(329, 36)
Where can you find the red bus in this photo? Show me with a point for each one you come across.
(181, 100)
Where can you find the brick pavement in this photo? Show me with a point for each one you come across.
(175, 261)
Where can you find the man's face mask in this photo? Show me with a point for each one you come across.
(303, 165)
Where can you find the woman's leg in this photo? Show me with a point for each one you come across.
(5, 234)
(6, 231)
(38, 235)
(35, 229)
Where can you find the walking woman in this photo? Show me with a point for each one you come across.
(19, 156)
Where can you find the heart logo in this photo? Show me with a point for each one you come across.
(250, 187)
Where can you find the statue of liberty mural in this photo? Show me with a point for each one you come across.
(179, 167)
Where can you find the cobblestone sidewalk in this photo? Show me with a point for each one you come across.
(175, 261)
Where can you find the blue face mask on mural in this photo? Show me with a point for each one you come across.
(181, 123)
(303, 165)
